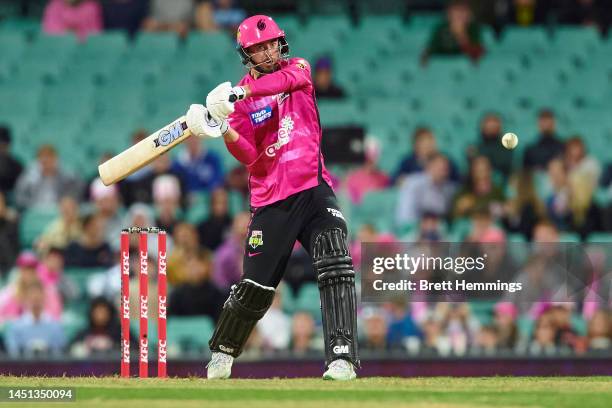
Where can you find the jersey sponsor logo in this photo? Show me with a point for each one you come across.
(170, 134)
(341, 349)
(335, 213)
(286, 126)
(301, 64)
(256, 239)
(280, 98)
(252, 254)
(260, 116)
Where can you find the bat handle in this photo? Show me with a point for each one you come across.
(233, 98)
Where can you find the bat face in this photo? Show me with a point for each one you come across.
(144, 152)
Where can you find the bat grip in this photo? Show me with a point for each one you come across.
(233, 98)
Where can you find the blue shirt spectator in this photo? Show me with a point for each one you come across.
(35, 332)
(202, 170)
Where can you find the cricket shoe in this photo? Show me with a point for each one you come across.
(340, 370)
(219, 366)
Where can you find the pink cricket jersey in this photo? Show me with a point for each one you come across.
(280, 133)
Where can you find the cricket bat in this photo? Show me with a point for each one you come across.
(144, 152)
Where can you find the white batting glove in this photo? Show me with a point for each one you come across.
(202, 125)
(220, 101)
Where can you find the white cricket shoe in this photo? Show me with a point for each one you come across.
(219, 366)
(340, 370)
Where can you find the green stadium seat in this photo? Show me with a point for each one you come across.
(152, 46)
(520, 39)
(290, 24)
(340, 113)
(377, 208)
(51, 48)
(13, 45)
(199, 207)
(201, 44)
(425, 21)
(107, 43)
(333, 26)
(600, 237)
(483, 311)
(308, 300)
(33, 222)
(25, 26)
(191, 334)
(569, 237)
(576, 38)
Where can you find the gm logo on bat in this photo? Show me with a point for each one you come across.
(170, 134)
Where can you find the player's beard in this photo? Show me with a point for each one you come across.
(270, 65)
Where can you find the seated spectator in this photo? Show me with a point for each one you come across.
(238, 180)
(434, 341)
(423, 147)
(275, 327)
(229, 255)
(199, 295)
(558, 206)
(599, 334)
(401, 325)
(35, 333)
(81, 17)
(44, 183)
(64, 229)
(10, 167)
(458, 35)
(124, 14)
(526, 13)
(91, 250)
(141, 216)
(9, 236)
(490, 144)
(538, 155)
(205, 16)
(430, 229)
(167, 197)
(325, 87)
(429, 192)
(103, 333)
(581, 165)
(302, 333)
(201, 169)
(484, 229)
(175, 16)
(486, 341)
(227, 15)
(367, 177)
(186, 244)
(212, 230)
(479, 191)
(458, 325)
(524, 207)
(570, 205)
(13, 295)
(505, 325)
(543, 342)
(375, 331)
(107, 204)
(140, 189)
(565, 335)
(50, 271)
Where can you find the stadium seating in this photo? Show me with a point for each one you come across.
(190, 333)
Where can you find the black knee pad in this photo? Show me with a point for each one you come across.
(247, 303)
(336, 277)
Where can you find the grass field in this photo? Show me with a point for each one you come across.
(438, 392)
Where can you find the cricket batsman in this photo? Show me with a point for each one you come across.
(270, 122)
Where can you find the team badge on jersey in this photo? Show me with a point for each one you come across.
(256, 239)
